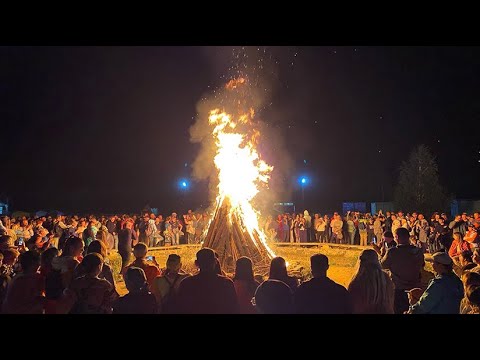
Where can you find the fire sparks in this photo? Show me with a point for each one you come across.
(240, 169)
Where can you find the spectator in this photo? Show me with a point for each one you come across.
(151, 269)
(273, 297)
(5, 279)
(466, 262)
(220, 298)
(422, 229)
(165, 287)
(458, 245)
(245, 285)
(387, 242)
(98, 247)
(278, 271)
(69, 259)
(476, 260)
(139, 299)
(127, 237)
(469, 279)
(90, 294)
(371, 289)
(458, 225)
(444, 293)
(405, 263)
(473, 296)
(321, 295)
(414, 295)
(25, 291)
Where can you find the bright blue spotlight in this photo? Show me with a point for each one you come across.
(183, 184)
(303, 180)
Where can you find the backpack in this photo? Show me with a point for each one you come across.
(168, 301)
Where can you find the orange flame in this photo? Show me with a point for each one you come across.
(240, 169)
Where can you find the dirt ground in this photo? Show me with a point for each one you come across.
(342, 260)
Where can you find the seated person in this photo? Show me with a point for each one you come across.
(139, 299)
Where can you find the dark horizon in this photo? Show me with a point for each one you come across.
(106, 129)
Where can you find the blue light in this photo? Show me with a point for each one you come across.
(303, 180)
(183, 184)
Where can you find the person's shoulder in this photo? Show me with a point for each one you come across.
(338, 287)
(103, 283)
(224, 278)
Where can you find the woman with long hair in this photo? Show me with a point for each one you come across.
(245, 285)
(278, 271)
(371, 289)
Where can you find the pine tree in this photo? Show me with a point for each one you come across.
(418, 187)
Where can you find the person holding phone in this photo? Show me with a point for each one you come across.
(150, 267)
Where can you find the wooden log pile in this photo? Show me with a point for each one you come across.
(230, 239)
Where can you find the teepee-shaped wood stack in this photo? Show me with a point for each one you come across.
(230, 239)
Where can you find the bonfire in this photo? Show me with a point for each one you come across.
(233, 230)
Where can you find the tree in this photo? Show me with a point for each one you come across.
(418, 187)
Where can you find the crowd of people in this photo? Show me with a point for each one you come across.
(357, 228)
(50, 266)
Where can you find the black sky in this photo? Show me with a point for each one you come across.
(107, 128)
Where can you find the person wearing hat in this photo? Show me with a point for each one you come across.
(444, 293)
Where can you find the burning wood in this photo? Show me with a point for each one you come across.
(233, 231)
(228, 236)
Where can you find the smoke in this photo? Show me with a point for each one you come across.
(260, 68)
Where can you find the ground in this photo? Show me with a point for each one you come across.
(342, 260)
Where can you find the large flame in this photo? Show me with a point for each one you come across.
(240, 169)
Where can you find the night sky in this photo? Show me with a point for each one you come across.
(107, 128)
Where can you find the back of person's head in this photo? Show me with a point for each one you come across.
(30, 261)
(278, 268)
(369, 258)
(140, 250)
(319, 265)
(135, 279)
(97, 247)
(458, 236)
(470, 278)
(467, 267)
(403, 236)
(244, 269)
(466, 256)
(73, 246)
(5, 241)
(273, 297)
(92, 264)
(174, 263)
(47, 256)
(388, 235)
(472, 293)
(206, 260)
(10, 256)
